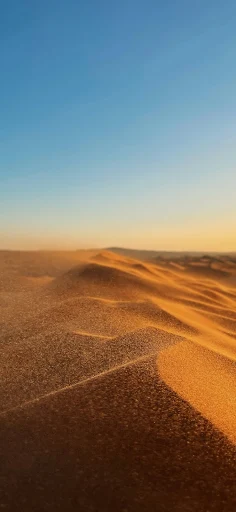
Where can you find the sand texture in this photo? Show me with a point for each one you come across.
(117, 381)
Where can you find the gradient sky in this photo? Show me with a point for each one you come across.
(118, 124)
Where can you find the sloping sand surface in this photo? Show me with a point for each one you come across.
(206, 380)
(117, 381)
(120, 441)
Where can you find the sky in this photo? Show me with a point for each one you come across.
(118, 124)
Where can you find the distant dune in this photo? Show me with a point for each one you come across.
(118, 380)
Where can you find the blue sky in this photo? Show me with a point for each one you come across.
(118, 124)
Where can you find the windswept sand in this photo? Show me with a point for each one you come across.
(117, 382)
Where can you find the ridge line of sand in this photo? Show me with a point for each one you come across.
(77, 384)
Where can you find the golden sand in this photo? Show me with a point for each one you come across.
(107, 360)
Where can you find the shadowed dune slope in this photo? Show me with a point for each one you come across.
(122, 441)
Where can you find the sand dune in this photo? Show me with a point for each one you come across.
(117, 381)
(102, 280)
(53, 360)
